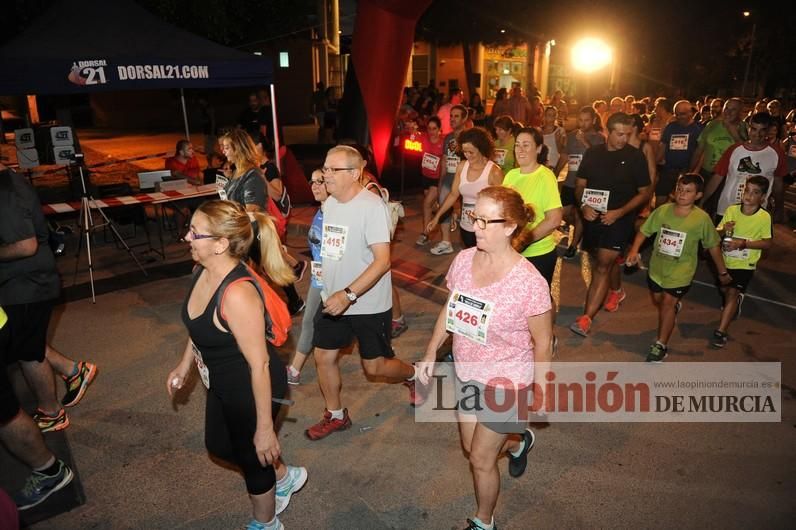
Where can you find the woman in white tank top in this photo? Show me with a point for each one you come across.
(475, 173)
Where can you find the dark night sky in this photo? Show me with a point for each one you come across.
(693, 44)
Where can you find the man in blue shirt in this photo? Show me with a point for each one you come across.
(679, 142)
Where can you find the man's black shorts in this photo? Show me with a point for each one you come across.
(616, 236)
(372, 331)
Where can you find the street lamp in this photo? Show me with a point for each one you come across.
(589, 55)
(747, 14)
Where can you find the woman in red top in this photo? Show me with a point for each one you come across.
(431, 168)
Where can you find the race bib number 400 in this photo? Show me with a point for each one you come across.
(334, 240)
(671, 242)
(468, 316)
(597, 200)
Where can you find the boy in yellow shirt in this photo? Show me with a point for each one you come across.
(749, 227)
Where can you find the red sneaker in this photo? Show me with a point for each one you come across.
(581, 326)
(613, 299)
(417, 393)
(328, 425)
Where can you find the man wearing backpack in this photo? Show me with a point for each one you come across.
(357, 288)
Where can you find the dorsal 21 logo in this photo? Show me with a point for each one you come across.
(88, 72)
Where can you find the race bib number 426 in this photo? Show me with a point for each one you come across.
(469, 316)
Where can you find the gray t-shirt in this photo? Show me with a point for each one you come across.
(349, 229)
(34, 278)
(575, 151)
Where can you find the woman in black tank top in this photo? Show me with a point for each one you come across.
(244, 377)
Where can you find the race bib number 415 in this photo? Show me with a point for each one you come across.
(334, 240)
(469, 316)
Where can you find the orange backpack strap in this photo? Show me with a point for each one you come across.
(243, 276)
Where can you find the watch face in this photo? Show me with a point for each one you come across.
(351, 296)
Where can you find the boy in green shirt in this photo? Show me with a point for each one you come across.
(749, 226)
(680, 226)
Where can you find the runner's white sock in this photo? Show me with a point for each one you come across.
(46, 466)
(483, 525)
(337, 414)
(520, 450)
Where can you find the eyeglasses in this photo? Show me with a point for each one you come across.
(316, 182)
(333, 170)
(196, 237)
(481, 222)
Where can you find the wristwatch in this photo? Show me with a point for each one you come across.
(351, 295)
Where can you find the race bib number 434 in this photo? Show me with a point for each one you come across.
(469, 316)
(671, 242)
(334, 240)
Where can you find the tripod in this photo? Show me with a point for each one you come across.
(87, 226)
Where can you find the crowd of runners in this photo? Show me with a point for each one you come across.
(697, 177)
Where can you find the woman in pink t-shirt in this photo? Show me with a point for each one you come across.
(499, 312)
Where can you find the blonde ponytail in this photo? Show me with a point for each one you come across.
(272, 260)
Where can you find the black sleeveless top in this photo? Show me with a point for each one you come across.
(219, 349)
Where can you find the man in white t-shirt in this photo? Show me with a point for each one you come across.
(748, 159)
(357, 288)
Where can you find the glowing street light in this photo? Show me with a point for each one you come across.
(591, 54)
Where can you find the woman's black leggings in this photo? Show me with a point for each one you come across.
(231, 420)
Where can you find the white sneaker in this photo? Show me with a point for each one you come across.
(293, 481)
(443, 247)
(422, 240)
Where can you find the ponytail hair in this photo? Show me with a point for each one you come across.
(514, 211)
(269, 259)
(252, 237)
(538, 139)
